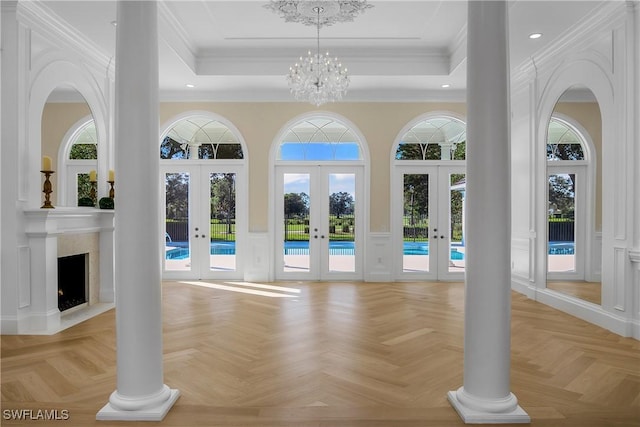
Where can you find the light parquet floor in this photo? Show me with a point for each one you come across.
(328, 354)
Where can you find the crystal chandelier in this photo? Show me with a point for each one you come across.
(318, 78)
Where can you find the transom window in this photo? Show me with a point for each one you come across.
(200, 138)
(437, 138)
(319, 139)
(84, 143)
(563, 142)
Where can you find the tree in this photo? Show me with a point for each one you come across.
(171, 149)
(296, 204)
(341, 203)
(562, 193)
(418, 151)
(83, 152)
(223, 197)
(177, 195)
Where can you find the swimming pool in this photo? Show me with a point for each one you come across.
(180, 250)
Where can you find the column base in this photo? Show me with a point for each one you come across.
(489, 415)
(154, 413)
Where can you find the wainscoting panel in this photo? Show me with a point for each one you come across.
(379, 260)
(24, 276)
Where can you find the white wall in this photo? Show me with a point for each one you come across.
(29, 76)
(599, 54)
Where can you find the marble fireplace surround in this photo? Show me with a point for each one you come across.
(55, 233)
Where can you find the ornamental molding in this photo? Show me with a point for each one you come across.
(37, 16)
(577, 38)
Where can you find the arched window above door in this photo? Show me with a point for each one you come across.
(84, 143)
(201, 137)
(435, 138)
(564, 142)
(77, 157)
(319, 138)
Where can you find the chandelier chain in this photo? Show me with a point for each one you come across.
(318, 78)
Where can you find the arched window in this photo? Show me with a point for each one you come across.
(319, 199)
(435, 138)
(319, 138)
(200, 138)
(428, 197)
(205, 198)
(563, 142)
(79, 151)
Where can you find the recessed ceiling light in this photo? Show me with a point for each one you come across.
(446, 85)
(189, 85)
(535, 35)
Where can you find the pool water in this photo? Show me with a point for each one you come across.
(180, 250)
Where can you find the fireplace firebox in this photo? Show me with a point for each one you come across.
(72, 281)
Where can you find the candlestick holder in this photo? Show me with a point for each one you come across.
(47, 189)
(112, 192)
(93, 193)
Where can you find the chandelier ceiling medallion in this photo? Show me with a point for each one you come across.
(318, 78)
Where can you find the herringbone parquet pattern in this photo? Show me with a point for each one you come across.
(328, 354)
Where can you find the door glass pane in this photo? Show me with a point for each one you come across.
(296, 222)
(562, 204)
(415, 223)
(342, 201)
(222, 191)
(177, 245)
(85, 196)
(457, 189)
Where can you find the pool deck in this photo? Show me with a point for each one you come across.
(346, 263)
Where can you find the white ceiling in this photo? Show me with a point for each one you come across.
(395, 51)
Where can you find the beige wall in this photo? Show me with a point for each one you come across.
(260, 123)
(587, 114)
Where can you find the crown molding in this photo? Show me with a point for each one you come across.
(176, 36)
(575, 38)
(458, 49)
(39, 18)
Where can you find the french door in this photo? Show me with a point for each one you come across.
(567, 218)
(203, 221)
(318, 226)
(428, 212)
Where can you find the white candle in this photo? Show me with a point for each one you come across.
(112, 175)
(92, 176)
(46, 163)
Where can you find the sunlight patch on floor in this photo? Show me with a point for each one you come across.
(245, 288)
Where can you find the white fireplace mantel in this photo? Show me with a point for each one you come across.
(38, 296)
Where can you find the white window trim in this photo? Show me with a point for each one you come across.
(68, 167)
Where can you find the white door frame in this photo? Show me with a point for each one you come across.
(439, 211)
(319, 214)
(199, 217)
(582, 215)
